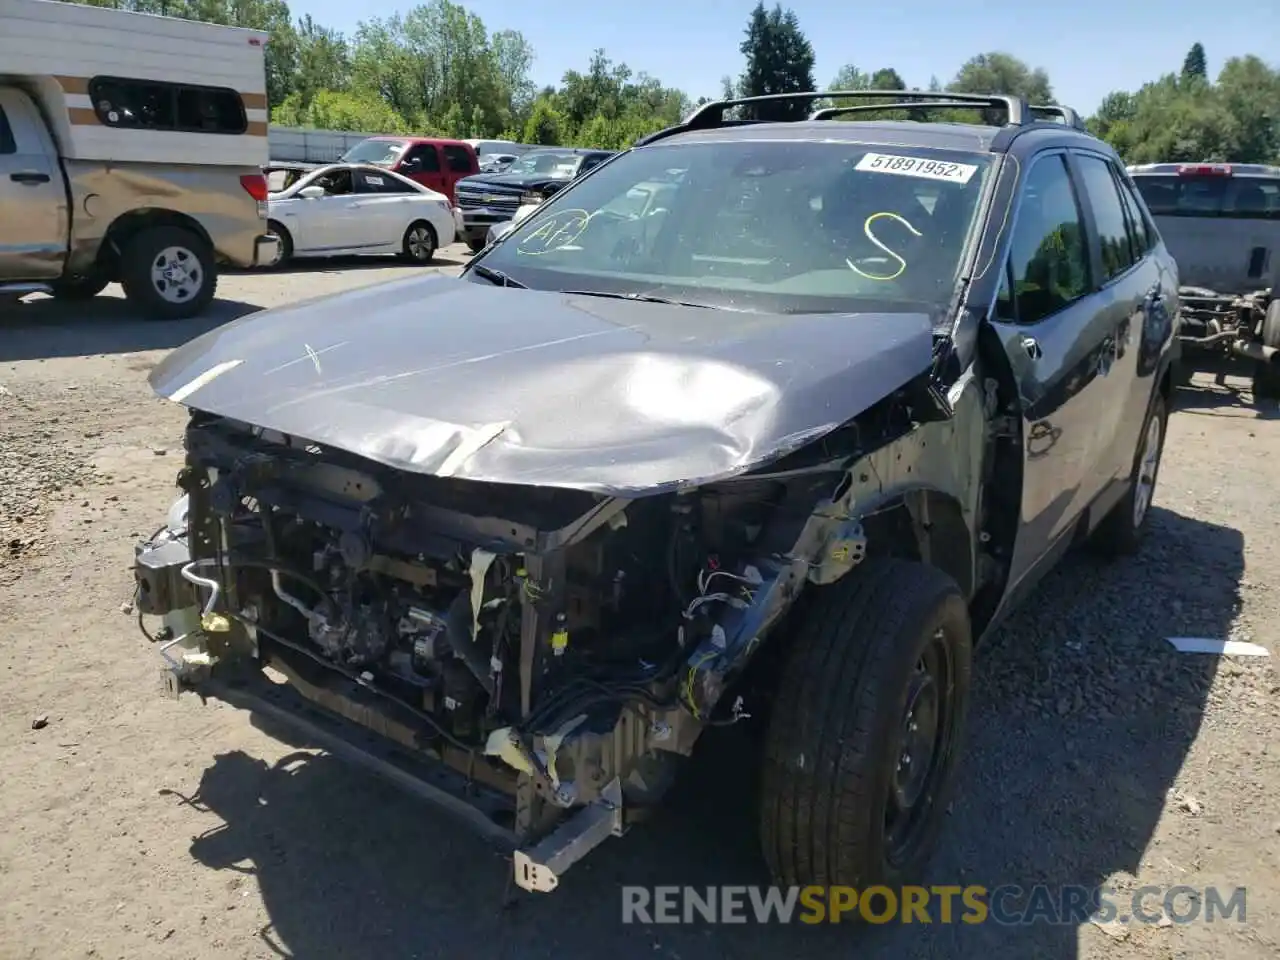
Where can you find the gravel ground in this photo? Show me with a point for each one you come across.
(139, 828)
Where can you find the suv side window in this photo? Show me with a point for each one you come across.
(1108, 214)
(7, 143)
(1049, 258)
(422, 159)
(457, 159)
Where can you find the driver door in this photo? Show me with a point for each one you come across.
(1056, 332)
(330, 222)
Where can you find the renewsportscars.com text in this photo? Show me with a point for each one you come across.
(1009, 905)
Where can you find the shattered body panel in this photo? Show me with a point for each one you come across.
(565, 391)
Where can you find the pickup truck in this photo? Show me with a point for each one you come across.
(69, 227)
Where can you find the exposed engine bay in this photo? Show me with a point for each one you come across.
(555, 648)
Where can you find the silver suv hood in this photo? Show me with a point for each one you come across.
(454, 378)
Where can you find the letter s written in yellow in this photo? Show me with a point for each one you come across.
(814, 909)
(974, 899)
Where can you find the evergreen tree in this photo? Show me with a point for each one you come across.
(779, 60)
(1195, 67)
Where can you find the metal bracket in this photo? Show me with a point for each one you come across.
(538, 869)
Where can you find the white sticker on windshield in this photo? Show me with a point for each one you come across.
(371, 179)
(917, 167)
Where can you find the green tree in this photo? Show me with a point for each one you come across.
(779, 60)
(324, 60)
(545, 124)
(1002, 73)
(337, 110)
(1195, 67)
(886, 78)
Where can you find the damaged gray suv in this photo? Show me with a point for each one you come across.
(767, 418)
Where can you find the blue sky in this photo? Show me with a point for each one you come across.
(1088, 47)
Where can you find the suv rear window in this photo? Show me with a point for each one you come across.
(1170, 195)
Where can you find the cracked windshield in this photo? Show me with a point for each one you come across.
(792, 227)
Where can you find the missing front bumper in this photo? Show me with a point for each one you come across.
(538, 867)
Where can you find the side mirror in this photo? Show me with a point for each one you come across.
(311, 193)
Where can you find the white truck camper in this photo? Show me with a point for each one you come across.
(131, 151)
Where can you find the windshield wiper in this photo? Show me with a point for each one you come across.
(496, 277)
(637, 297)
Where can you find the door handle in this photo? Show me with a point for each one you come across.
(29, 176)
(1031, 347)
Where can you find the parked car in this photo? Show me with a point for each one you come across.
(488, 148)
(780, 454)
(490, 199)
(496, 162)
(120, 162)
(1222, 224)
(433, 162)
(352, 208)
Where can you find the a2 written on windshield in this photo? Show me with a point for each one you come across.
(777, 226)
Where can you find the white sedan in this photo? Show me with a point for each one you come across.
(351, 208)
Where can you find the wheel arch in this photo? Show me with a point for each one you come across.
(926, 524)
(128, 225)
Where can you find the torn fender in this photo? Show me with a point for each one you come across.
(452, 378)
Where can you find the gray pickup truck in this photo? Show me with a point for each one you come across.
(1221, 222)
(70, 225)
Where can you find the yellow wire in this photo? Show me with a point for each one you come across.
(693, 671)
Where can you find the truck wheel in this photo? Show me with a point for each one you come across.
(79, 288)
(1122, 531)
(279, 231)
(474, 245)
(1266, 376)
(862, 743)
(169, 273)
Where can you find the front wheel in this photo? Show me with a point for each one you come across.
(475, 246)
(1122, 531)
(861, 748)
(419, 243)
(169, 273)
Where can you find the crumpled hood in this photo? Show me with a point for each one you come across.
(443, 376)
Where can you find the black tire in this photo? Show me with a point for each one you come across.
(79, 288)
(833, 749)
(176, 245)
(475, 246)
(1266, 376)
(420, 243)
(1122, 531)
(279, 230)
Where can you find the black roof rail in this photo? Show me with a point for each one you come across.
(1057, 114)
(711, 115)
(829, 113)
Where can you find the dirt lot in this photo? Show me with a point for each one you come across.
(135, 827)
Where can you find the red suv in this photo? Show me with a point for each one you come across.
(430, 161)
